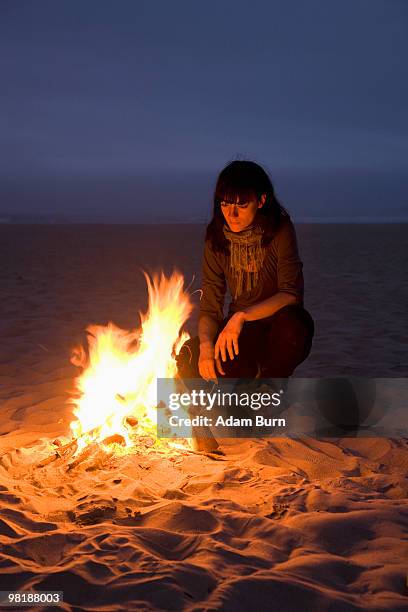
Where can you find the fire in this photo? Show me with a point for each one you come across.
(118, 383)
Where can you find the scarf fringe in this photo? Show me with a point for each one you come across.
(246, 258)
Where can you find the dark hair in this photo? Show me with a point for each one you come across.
(248, 181)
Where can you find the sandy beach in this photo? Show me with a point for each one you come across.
(297, 524)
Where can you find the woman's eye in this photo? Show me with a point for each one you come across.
(225, 204)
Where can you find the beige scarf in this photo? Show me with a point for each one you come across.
(246, 257)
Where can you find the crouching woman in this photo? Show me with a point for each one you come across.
(251, 249)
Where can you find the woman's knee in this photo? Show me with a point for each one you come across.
(289, 341)
(291, 333)
(293, 319)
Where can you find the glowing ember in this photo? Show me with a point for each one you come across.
(117, 389)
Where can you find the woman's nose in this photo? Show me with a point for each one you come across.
(234, 212)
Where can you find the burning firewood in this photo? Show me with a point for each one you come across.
(132, 421)
(65, 451)
(62, 452)
(96, 452)
(215, 455)
(115, 439)
(85, 454)
(202, 437)
(204, 441)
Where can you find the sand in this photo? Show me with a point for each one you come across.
(294, 524)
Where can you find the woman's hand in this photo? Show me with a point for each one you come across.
(228, 338)
(207, 362)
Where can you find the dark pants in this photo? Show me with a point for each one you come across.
(271, 347)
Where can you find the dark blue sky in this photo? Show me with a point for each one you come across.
(128, 109)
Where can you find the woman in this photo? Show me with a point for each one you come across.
(250, 247)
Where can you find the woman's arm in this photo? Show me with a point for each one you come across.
(207, 362)
(227, 342)
(269, 306)
(213, 290)
(211, 312)
(289, 278)
(207, 329)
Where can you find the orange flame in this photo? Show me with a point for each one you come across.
(121, 369)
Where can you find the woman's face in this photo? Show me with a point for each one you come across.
(240, 217)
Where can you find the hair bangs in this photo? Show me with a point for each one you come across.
(233, 187)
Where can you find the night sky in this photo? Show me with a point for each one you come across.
(127, 110)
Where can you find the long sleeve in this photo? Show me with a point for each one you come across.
(289, 265)
(213, 285)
